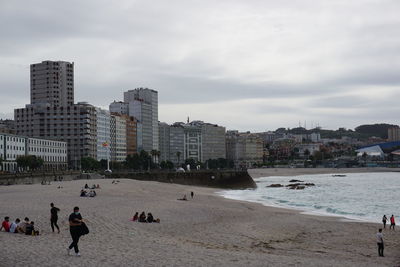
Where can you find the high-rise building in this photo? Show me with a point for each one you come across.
(103, 118)
(53, 115)
(119, 107)
(143, 105)
(118, 138)
(52, 82)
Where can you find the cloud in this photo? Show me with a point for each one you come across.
(264, 64)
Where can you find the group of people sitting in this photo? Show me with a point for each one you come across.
(142, 218)
(25, 227)
(93, 186)
(90, 193)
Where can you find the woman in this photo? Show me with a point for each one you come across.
(384, 219)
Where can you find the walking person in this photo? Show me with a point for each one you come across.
(384, 220)
(192, 194)
(54, 217)
(392, 222)
(75, 222)
(379, 240)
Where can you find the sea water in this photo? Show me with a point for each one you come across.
(355, 196)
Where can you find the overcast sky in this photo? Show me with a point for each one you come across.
(249, 65)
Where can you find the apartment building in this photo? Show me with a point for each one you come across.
(245, 149)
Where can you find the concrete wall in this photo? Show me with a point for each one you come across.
(217, 179)
(37, 178)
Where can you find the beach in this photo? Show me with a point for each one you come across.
(207, 230)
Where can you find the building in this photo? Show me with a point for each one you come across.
(192, 142)
(244, 149)
(7, 126)
(53, 153)
(53, 115)
(213, 141)
(143, 105)
(118, 138)
(164, 141)
(103, 120)
(52, 82)
(131, 135)
(393, 134)
(119, 107)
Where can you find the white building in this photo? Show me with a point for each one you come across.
(118, 138)
(103, 134)
(53, 153)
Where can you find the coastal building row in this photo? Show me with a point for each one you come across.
(196, 140)
(244, 149)
(53, 153)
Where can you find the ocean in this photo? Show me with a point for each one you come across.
(356, 196)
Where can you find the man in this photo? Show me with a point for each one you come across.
(75, 222)
(21, 228)
(54, 217)
(379, 240)
(392, 222)
(14, 225)
(5, 224)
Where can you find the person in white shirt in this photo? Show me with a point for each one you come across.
(13, 226)
(379, 240)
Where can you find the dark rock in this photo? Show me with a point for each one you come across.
(295, 181)
(275, 185)
(309, 184)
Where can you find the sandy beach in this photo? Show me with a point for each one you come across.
(205, 231)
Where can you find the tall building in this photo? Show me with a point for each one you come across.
(53, 115)
(103, 119)
(118, 138)
(143, 105)
(164, 142)
(213, 142)
(131, 134)
(52, 82)
(119, 107)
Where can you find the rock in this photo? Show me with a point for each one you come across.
(275, 185)
(309, 184)
(295, 181)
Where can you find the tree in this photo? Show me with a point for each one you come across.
(166, 165)
(23, 162)
(89, 164)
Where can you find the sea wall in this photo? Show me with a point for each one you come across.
(217, 179)
(37, 177)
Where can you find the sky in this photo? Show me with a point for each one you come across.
(252, 65)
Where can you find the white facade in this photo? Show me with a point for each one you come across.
(118, 138)
(53, 153)
(103, 134)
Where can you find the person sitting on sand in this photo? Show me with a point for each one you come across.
(98, 186)
(86, 186)
(184, 198)
(30, 229)
(83, 193)
(150, 218)
(21, 228)
(14, 225)
(135, 217)
(5, 224)
(142, 217)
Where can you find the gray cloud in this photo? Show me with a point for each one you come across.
(302, 59)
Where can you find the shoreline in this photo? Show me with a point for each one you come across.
(208, 230)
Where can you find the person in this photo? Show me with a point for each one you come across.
(150, 218)
(192, 194)
(5, 224)
(184, 198)
(75, 222)
(54, 217)
(30, 229)
(142, 217)
(14, 225)
(135, 217)
(83, 193)
(379, 240)
(21, 228)
(384, 220)
(98, 186)
(86, 186)
(392, 222)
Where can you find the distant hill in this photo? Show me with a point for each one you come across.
(378, 130)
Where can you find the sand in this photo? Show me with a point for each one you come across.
(205, 231)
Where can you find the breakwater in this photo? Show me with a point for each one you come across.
(38, 177)
(219, 179)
